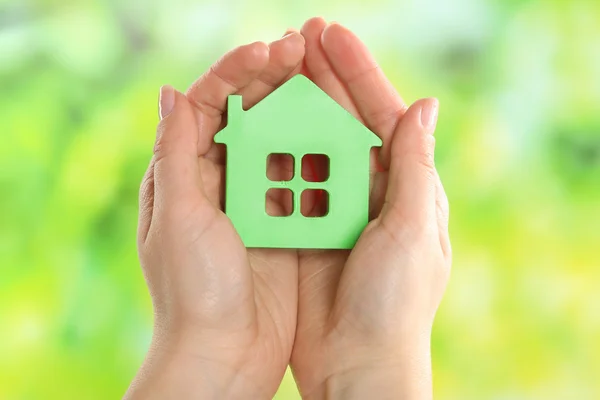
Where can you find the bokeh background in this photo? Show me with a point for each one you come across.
(518, 150)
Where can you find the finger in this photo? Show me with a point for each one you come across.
(375, 97)
(146, 203)
(443, 215)
(302, 69)
(234, 71)
(378, 190)
(176, 172)
(411, 194)
(318, 68)
(285, 60)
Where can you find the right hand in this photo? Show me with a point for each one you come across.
(365, 316)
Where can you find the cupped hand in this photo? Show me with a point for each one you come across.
(225, 317)
(365, 316)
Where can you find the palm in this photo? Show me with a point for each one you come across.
(267, 283)
(272, 284)
(342, 67)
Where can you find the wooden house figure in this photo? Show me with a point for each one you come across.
(297, 119)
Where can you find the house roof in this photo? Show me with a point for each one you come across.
(303, 111)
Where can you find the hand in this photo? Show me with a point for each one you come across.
(365, 316)
(225, 317)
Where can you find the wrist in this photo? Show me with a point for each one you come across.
(393, 373)
(178, 371)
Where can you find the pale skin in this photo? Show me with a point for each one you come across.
(229, 320)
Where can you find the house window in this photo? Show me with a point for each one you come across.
(280, 167)
(279, 202)
(314, 203)
(315, 167)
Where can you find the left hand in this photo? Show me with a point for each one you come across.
(225, 316)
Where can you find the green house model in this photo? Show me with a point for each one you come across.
(297, 119)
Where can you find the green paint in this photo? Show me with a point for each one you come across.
(297, 119)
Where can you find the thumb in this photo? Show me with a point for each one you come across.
(411, 195)
(176, 170)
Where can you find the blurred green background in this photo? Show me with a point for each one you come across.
(518, 150)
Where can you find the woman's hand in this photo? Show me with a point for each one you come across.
(365, 316)
(225, 317)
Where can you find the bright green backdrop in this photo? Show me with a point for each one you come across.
(518, 150)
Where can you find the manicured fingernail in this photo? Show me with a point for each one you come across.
(429, 113)
(166, 101)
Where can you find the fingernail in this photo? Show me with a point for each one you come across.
(166, 101)
(292, 34)
(429, 113)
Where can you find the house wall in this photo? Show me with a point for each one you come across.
(247, 184)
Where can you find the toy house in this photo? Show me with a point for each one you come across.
(297, 119)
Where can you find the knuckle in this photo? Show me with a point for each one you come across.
(146, 190)
(384, 119)
(405, 229)
(161, 143)
(442, 216)
(443, 210)
(424, 154)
